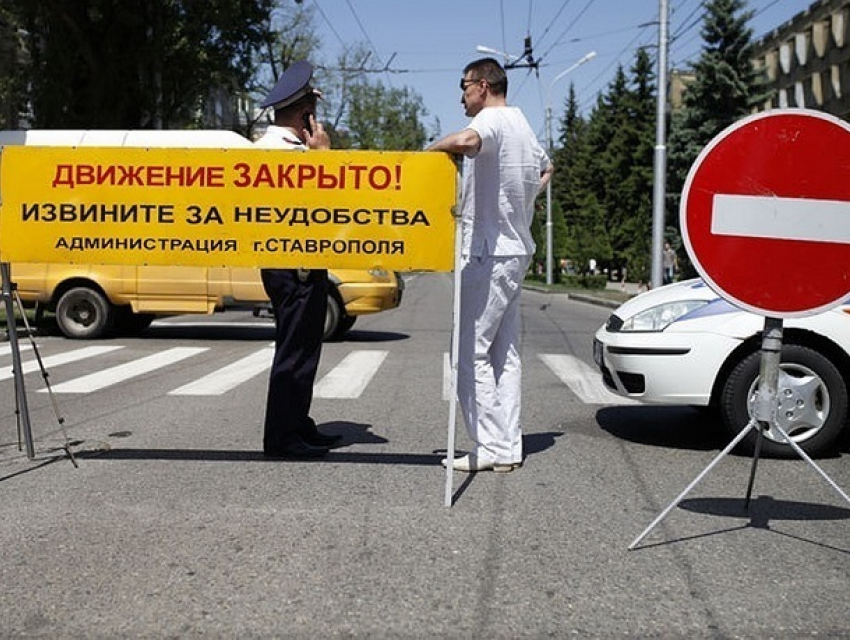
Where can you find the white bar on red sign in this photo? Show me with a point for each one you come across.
(781, 218)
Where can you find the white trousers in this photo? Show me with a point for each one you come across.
(489, 367)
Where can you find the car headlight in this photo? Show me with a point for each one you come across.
(660, 317)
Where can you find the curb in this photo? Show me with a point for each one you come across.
(581, 297)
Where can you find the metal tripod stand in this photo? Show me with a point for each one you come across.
(764, 415)
(10, 298)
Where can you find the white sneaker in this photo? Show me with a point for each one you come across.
(470, 463)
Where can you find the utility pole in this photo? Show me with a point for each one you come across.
(660, 162)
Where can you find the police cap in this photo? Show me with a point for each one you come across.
(293, 84)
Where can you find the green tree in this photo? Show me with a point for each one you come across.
(610, 138)
(381, 117)
(726, 88)
(289, 35)
(574, 187)
(136, 63)
(12, 80)
(637, 186)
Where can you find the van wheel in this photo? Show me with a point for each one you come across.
(346, 324)
(333, 317)
(83, 313)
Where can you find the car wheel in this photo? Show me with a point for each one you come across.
(812, 402)
(84, 313)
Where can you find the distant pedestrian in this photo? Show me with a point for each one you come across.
(505, 168)
(670, 264)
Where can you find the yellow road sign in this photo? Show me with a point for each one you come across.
(228, 207)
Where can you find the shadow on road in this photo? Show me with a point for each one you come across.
(765, 508)
(662, 426)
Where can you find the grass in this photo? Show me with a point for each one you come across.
(30, 314)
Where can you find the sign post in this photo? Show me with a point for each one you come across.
(765, 215)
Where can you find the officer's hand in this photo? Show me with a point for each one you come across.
(319, 138)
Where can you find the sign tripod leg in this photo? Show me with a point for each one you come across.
(21, 409)
(11, 297)
(764, 415)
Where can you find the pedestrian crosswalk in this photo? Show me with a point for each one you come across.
(347, 378)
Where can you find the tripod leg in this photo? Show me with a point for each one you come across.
(768, 383)
(756, 455)
(45, 376)
(17, 367)
(811, 462)
(681, 496)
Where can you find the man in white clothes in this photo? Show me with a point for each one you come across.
(505, 167)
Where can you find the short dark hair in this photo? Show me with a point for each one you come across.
(490, 70)
(295, 106)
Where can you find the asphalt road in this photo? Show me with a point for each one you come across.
(175, 526)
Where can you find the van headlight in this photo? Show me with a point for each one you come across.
(662, 316)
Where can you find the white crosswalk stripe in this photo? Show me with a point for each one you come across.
(61, 358)
(122, 372)
(6, 349)
(349, 378)
(582, 379)
(228, 377)
(346, 380)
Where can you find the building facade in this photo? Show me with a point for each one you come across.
(806, 61)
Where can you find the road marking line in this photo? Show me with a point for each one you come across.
(6, 349)
(228, 377)
(582, 379)
(349, 378)
(781, 218)
(60, 359)
(120, 373)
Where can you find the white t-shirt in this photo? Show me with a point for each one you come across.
(500, 185)
(279, 138)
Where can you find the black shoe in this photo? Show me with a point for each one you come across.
(297, 449)
(311, 435)
(318, 439)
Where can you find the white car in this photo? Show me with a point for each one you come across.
(684, 344)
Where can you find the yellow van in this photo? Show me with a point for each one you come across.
(92, 301)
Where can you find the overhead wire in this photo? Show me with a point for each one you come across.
(329, 23)
(363, 31)
(552, 22)
(570, 26)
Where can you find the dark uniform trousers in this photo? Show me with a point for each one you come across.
(299, 311)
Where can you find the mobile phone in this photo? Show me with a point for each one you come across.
(307, 126)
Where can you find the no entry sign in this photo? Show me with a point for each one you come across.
(765, 212)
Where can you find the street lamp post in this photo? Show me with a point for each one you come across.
(659, 186)
(585, 58)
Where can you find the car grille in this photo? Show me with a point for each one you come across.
(632, 382)
(607, 379)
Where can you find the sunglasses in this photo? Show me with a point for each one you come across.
(464, 83)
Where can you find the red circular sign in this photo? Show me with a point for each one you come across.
(765, 213)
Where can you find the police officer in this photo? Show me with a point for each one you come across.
(298, 296)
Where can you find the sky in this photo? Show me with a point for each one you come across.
(424, 44)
